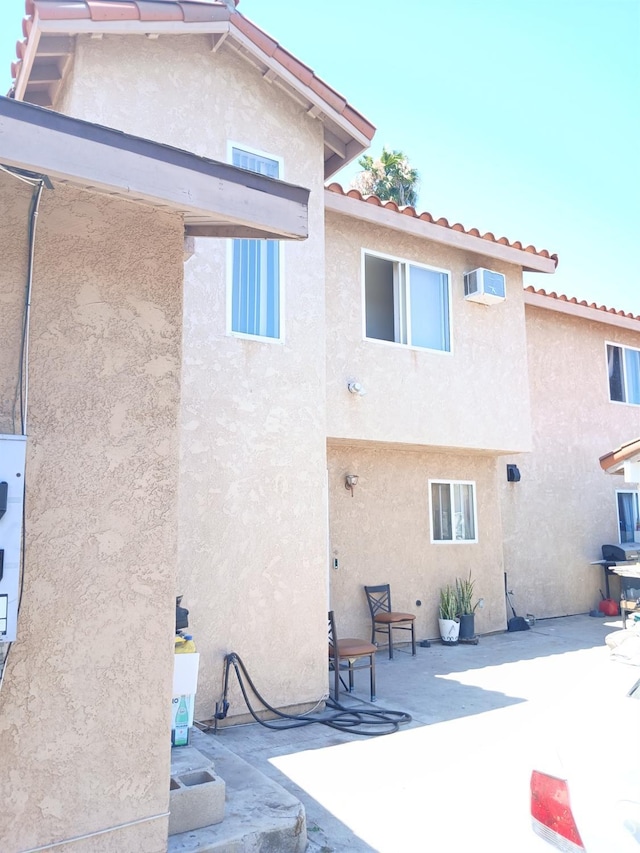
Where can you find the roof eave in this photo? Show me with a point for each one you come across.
(394, 219)
(347, 134)
(551, 302)
(214, 199)
(613, 462)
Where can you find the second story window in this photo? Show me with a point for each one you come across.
(406, 303)
(255, 285)
(623, 364)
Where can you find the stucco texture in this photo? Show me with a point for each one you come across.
(85, 705)
(253, 524)
(474, 397)
(564, 509)
(383, 535)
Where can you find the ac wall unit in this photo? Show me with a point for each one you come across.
(484, 286)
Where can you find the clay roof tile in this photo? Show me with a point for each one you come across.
(444, 223)
(112, 10)
(64, 12)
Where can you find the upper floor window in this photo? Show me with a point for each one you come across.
(406, 303)
(623, 364)
(453, 511)
(255, 276)
(629, 516)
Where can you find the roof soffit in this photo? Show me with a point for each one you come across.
(45, 55)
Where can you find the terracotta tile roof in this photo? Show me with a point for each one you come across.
(582, 302)
(444, 223)
(187, 11)
(614, 461)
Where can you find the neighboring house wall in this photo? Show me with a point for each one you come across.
(253, 520)
(84, 739)
(383, 535)
(564, 509)
(471, 398)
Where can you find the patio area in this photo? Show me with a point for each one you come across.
(456, 778)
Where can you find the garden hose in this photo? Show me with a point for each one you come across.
(369, 722)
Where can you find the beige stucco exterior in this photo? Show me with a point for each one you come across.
(170, 456)
(383, 535)
(253, 521)
(83, 737)
(564, 509)
(472, 397)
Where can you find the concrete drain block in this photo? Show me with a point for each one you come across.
(196, 799)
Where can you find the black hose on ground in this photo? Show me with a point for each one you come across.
(366, 722)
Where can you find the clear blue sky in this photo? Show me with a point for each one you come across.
(522, 117)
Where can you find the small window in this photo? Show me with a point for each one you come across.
(255, 288)
(623, 365)
(628, 516)
(453, 511)
(406, 303)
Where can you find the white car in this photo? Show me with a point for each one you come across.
(585, 796)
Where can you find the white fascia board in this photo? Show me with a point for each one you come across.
(139, 177)
(437, 233)
(85, 26)
(551, 303)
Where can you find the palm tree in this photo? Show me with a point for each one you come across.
(391, 178)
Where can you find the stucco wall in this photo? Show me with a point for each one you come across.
(474, 397)
(85, 705)
(563, 510)
(253, 528)
(382, 535)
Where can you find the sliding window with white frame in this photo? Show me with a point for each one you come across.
(406, 303)
(255, 303)
(628, 515)
(453, 511)
(623, 367)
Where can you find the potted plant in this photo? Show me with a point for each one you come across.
(466, 607)
(448, 620)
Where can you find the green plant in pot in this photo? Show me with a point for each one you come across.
(466, 606)
(448, 621)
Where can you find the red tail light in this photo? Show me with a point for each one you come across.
(551, 812)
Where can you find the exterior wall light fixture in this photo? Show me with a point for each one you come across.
(350, 481)
(356, 388)
(513, 474)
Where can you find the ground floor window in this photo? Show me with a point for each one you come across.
(629, 516)
(453, 511)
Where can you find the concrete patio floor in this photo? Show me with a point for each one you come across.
(456, 778)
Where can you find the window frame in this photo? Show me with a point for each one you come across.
(247, 336)
(625, 386)
(406, 263)
(451, 483)
(636, 492)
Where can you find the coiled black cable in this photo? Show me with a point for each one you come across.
(367, 722)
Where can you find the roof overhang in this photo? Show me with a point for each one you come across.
(622, 461)
(552, 302)
(215, 199)
(357, 208)
(45, 57)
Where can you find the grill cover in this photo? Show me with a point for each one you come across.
(623, 553)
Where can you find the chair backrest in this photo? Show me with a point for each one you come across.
(379, 598)
(331, 624)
